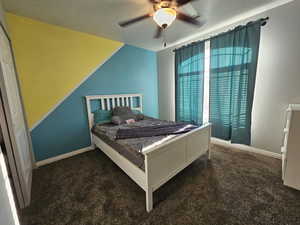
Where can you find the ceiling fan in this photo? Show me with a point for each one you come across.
(165, 12)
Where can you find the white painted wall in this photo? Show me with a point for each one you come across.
(278, 75)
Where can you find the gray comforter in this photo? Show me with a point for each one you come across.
(157, 130)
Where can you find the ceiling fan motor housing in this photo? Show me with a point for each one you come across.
(164, 17)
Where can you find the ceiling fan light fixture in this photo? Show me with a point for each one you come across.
(164, 17)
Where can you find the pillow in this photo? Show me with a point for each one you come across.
(124, 113)
(102, 116)
(130, 121)
(116, 120)
(121, 110)
(122, 118)
(138, 114)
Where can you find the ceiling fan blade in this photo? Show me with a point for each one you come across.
(183, 2)
(134, 20)
(189, 10)
(188, 19)
(158, 32)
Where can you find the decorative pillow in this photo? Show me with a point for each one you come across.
(102, 116)
(130, 121)
(122, 119)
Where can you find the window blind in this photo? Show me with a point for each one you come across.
(189, 83)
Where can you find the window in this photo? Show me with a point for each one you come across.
(189, 72)
(226, 82)
(190, 82)
(211, 66)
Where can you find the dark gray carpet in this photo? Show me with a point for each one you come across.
(235, 188)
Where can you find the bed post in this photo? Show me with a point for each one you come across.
(149, 191)
(90, 119)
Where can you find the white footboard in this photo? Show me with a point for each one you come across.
(166, 160)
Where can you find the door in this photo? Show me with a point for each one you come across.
(8, 212)
(18, 138)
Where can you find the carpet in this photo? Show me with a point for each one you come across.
(235, 188)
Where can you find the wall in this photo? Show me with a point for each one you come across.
(52, 61)
(278, 79)
(59, 67)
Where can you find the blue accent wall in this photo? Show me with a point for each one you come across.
(130, 70)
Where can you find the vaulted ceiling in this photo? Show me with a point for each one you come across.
(101, 17)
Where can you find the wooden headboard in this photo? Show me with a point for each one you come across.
(108, 102)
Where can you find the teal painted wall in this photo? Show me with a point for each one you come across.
(130, 70)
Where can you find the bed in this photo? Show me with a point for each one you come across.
(157, 159)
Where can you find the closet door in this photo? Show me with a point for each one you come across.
(18, 133)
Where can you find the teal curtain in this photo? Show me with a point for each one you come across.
(233, 66)
(189, 83)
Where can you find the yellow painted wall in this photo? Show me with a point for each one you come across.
(52, 60)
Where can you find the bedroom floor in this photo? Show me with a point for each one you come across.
(236, 188)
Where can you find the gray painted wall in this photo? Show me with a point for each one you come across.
(278, 76)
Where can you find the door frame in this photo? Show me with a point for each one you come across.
(10, 154)
(21, 97)
(13, 158)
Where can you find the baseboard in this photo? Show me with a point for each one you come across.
(246, 148)
(215, 141)
(63, 156)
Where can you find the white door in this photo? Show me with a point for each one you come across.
(8, 212)
(17, 128)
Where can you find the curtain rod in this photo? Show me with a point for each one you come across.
(263, 22)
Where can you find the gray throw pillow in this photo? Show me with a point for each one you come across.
(116, 120)
(121, 110)
(122, 119)
(139, 116)
(124, 113)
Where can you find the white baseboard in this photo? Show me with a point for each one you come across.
(63, 156)
(246, 148)
(215, 141)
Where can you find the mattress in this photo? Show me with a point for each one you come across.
(131, 148)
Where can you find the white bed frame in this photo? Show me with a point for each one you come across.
(163, 161)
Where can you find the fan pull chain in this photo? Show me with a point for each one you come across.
(164, 39)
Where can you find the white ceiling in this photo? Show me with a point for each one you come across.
(101, 17)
